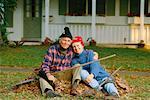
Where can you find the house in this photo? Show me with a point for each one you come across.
(106, 21)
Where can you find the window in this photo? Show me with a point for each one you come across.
(100, 7)
(110, 8)
(32, 8)
(9, 17)
(123, 7)
(146, 8)
(62, 7)
(77, 7)
(135, 7)
(84, 7)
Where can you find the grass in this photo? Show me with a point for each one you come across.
(24, 56)
(129, 59)
(32, 56)
(140, 86)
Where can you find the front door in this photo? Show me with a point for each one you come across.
(32, 19)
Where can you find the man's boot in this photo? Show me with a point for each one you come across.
(49, 93)
(74, 88)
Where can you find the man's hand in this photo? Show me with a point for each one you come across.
(77, 65)
(89, 78)
(50, 77)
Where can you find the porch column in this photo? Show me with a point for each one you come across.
(93, 18)
(148, 6)
(46, 17)
(117, 5)
(142, 31)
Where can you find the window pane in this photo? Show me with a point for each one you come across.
(123, 7)
(62, 7)
(100, 7)
(33, 8)
(146, 7)
(28, 8)
(110, 7)
(135, 7)
(90, 7)
(77, 7)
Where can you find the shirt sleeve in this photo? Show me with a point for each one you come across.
(94, 67)
(74, 62)
(47, 60)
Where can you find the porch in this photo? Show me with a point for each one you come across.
(105, 34)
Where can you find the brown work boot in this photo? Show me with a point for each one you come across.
(50, 94)
(74, 92)
(74, 88)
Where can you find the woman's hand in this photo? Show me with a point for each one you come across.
(95, 56)
(89, 78)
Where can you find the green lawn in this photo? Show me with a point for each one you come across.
(32, 56)
(129, 59)
(23, 56)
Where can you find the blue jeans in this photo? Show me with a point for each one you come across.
(109, 87)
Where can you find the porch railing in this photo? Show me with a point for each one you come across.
(104, 34)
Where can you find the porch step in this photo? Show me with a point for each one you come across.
(20, 43)
(32, 43)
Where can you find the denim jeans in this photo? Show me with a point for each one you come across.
(109, 87)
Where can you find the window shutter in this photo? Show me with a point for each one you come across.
(9, 17)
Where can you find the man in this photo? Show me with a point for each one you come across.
(92, 74)
(58, 58)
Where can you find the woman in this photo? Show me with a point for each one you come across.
(92, 74)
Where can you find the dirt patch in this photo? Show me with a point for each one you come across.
(121, 72)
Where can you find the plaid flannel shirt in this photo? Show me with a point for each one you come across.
(55, 61)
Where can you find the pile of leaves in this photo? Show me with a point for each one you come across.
(64, 86)
(122, 85)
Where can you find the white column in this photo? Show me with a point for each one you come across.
(93, 18)
(46, 17)
(117, 7)
(128, 6)
(148, 6)
(67, 6)
(142, 31)
(86, 7)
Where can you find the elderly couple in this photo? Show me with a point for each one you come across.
(70, 52)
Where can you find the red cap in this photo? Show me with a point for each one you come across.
(78, 39)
